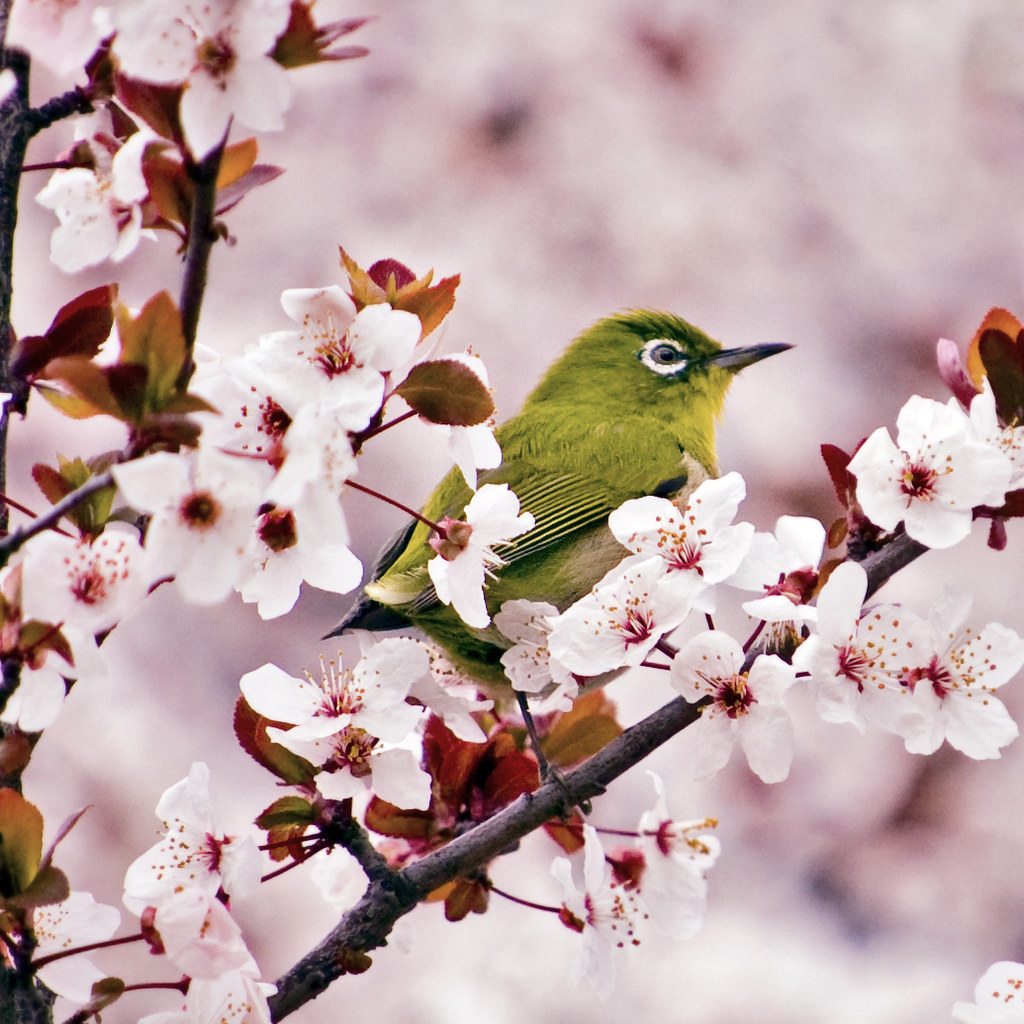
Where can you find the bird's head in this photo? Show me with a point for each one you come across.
(643, 356)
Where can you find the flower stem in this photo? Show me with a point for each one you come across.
(44, 960)
(523, 903)
(436, 527)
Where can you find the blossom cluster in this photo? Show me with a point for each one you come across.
(660, 879)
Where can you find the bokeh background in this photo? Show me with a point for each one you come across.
(843, 177)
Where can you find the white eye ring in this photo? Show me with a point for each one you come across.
(664, 357)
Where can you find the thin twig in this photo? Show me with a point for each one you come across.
(202, 233)
(12, 542)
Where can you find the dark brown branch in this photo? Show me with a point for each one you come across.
(53, 515)
(202, 233)
(368, 924)
(882, 565)
(74, 101)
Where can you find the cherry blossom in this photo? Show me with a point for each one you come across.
(219, 49)
(76, 921)
(37, 701)
(603, 913)
(952, 681)
(236, 996)
(699, 544)
(100, 208)
(339, 721)
(249, 422)
(934, 475)
(783, 566)
(621, 620)
(436, 692)
(745, 706)
(61, 34)
(677, 857)
(998, 997)
(466, 554)
(528, 662)
(202, 508)
(199, 935)
(856, 658)
(1008, 439)
(281, 556)
(193, 852)
(88, 585)
(338, 878)
(337, 360)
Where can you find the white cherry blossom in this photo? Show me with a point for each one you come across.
(100, 209)
(88, 585)
(529, 663)
(604, 914)
(856, 658)
(350, 721)
(337, 360)
(467, 554)
(932, 476)
(677, 858)
(621, 620)
(998, 997)
(76, 921)
(778, 565)
(746, 707)
(219, 49)
(193, 853)
(203, 507)
(1007, 439)
(199, 935)
(699, 544)
(952, 683)
(61, 34)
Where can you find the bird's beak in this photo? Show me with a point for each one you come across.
(736, 358)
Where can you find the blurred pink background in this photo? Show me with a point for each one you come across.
(842, 177)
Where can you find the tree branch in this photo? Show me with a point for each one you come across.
(882, 565)
(53, 515)
(202, 233)
(368, 924)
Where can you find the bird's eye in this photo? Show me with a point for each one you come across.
(666, 358)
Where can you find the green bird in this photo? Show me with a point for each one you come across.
(628, 410)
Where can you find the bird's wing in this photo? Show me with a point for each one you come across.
(567, 496)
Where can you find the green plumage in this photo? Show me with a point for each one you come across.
(628, 410)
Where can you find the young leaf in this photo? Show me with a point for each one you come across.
(79, 329)
(583, 731)
(21, 843)
(447, 391)
(251, 732)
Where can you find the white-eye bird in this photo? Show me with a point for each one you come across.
(628, 410)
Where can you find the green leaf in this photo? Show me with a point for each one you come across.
(49, 886)
(289, 810)
(447, 391)
(104, 992)
(21, 843)
(79, 388)
(583, 731)
(154, 340)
